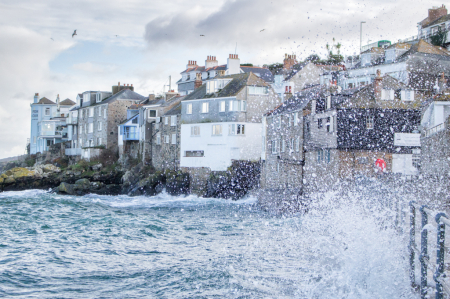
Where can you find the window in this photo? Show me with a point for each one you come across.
(195, 131)
(34, 139)
(274, 146)
(319, 123)
(99, 126)
(173, 120)
(81, 142)
(205, 107)
(369, 122)
(91, 142)
(296, 119)
(99, 141)
(74, 144)
(166, 120)
(283, 145)
(91, 112)
(47, 111)
(104, 113)
(313, 106)
(329, 124)
(134, 120)
(387, 94)
(350, 85)
(238, 105)
(194, 153)
(236, 129)
(151, 113)
(166, 138)
(189, 109)
(98, 97)
(290, 120)
(211, 87)
(297, 144)
(319, 156)
(158, 138)
(217, 130)
(407, 95)
(258, 90)
(222, 106)
(174, 138)
(100, 111)
(91, 127)
(328, 102)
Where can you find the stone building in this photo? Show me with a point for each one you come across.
(282, 152)
(361, 132)
(98, 117)
(166, 143)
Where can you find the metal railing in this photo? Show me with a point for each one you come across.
(434, 130)
(441, 286)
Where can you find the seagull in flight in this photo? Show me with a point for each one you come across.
(74, 33)
(116, 35)
(52, 38)
(201, 35)
(262, 30)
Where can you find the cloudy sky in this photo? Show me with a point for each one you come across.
(142, 42)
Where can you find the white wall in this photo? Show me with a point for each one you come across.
(402, 163)
(220, 150)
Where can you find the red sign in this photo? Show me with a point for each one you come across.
(380, 164)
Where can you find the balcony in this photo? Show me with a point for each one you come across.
(131, 136)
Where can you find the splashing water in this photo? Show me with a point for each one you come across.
(184, 247)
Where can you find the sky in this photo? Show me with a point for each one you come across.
(143, 42)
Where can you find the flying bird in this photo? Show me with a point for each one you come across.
(52, 38)
(262, 30)
(201, 35)
(116, 35)
(74, 33)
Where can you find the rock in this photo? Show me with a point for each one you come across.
(9, 180)
(177, 183)
(51, 168)
(83, 184)
(97, 167)
(65, 188)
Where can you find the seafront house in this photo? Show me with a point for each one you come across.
(98, 115)
(166, 143)
(48, 123)
(437, 19)
(211, 69)
(282, 150)
(366, 131)
(221, 122)
(150, 118)
(435, 137)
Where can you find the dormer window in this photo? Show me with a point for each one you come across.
(387, 94)
(258, 90)
(98, 97)
(407, 95)
(210, 87)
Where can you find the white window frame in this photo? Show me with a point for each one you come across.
(222, 106)
(166, 139)
(150, 110)
(258, 90)
(195, 131)
(407, 95)
(47, 111)
(166, 120)
(283, 145)
(189, 108)
(205, 107)
(99, 111)
(174, 138)
(158, 138)
(91, 128)
(173, 120)
(274, 146)
(328, 102)
(236, 129)
(369, 122)
(91, 112)
(237, 105)
(99, 125)
(216, 130)
(297, 144)
(296, 119)
(99, 141)
(104, 113)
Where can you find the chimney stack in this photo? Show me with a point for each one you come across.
(211, 62)
(289, 61)
(287, 92)
(198, 80)
(36, 97)
(377, 85)
(442, 83)
(233, 64)
(434, 14)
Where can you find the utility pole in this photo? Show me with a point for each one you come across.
(170, 83)
(360, 36)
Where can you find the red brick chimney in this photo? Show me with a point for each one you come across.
(289, 61)
(288, 92)
(377, 85)
(436, 13)
(211, 61)
(191, 64)
(198, 80)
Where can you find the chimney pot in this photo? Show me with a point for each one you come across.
(118, 84)
(131, 85)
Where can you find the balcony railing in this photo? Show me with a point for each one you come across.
(131, 136)
(434, 130)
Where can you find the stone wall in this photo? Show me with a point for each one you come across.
(167, 155)
(435, 154)
(116, 113)
(198, 177)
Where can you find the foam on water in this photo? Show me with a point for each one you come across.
(183, 247)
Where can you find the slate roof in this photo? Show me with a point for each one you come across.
(217, 68)
(45, 101)
(438, 21)
(298, 68)
(124, 94)
(263, 73)
(67, 102)
(404, 46)
(191, 69)
(175, 110)
(127, 120)
(422, 47)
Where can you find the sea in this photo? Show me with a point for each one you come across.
(54, 246)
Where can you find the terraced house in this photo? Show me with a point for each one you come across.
(221, 122)
(99, 115)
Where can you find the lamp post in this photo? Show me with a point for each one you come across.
(360, 36)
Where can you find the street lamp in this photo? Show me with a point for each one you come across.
(360, 36)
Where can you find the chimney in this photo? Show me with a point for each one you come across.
(442, 83)
(435, 13)
(198, 80)
(289, 61)
(211, 61)
(221, 73)
(191, 64)
(287, 92)
(151, 97)
(170, 95)
(377, 85)
(233, 64)
(36, 97)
